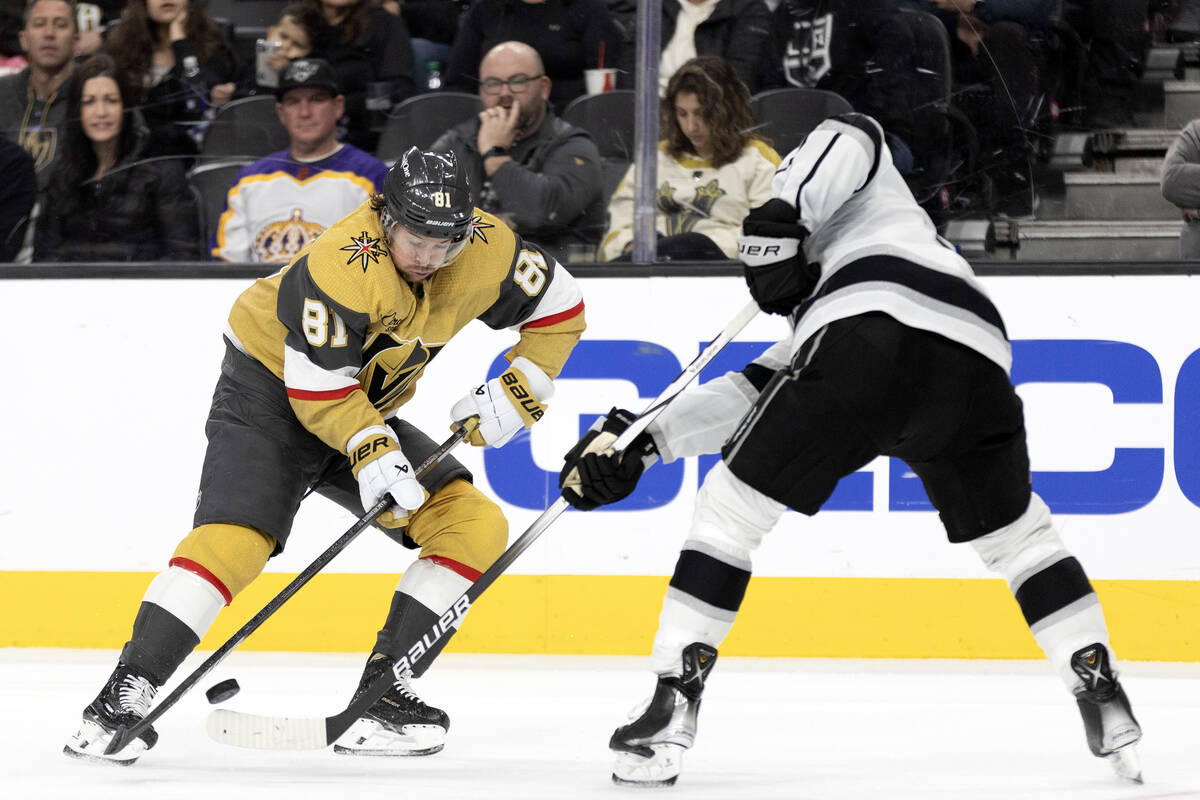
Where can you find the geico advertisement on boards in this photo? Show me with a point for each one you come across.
(109, 388)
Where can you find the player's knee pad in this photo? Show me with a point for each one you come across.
(731, 516)
(460, 528)
(228, 556)
(1024, 547)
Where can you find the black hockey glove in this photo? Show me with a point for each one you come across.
(593, 474)
(770, 246)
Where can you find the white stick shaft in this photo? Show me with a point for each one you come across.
(656, 407)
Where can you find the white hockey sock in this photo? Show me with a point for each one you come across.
(1076, 626)
(1032, 558)
(728, 525)
(187, 596)
(433, 586)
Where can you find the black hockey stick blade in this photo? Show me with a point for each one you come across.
(308, 733)
(123, 735)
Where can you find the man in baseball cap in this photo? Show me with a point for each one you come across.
(280, 203)
(307, 73)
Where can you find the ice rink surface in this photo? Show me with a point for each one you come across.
(538, 726)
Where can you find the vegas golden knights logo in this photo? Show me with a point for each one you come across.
(682, 216)
(391, 365)
(40, 143)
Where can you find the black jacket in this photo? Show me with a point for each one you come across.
(567, 34)
(16, 196)
(738, 30)
(552, 191)
(140, 210)
(381, 54)
(183, 96)
(859, 49)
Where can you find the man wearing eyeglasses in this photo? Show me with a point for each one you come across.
(524, 164)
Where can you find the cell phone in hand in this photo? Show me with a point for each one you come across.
(263, 74)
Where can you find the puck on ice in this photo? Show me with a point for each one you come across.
(220, 692)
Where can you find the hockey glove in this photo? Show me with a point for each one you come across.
(388, 473)
(593, 474)
(770, 247)
(505, 405)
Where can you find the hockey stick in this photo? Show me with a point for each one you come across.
(313, 733)
(123, 736)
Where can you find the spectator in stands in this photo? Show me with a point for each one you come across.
(365, 45)
(859, 49)
(17, 195)
(282, 202)
(737, 30)
(570, 36)
(1114, 32)
(296, 32)
(992, 49)
(712, 168)
(538, 173)
(1181, 185)
(33, 106)
(12, 55)
(432, 24)
(103, 201)
(179, 62)
(94, 17)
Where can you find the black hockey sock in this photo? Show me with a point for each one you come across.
(1052, 589)
(159, 644)
(710, 580)
(408, 630)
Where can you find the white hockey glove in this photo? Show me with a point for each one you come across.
(770, 245)
(505, 405)
(593, 474)
(388, 473)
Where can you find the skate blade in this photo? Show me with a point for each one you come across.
(1126, 763)
(367, 737)
(90, 742)
(661, 769)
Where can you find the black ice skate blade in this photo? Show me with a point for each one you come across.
(645, 784)
(67, 751)
(348, 751)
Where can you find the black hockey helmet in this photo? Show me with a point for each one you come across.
(428, 194)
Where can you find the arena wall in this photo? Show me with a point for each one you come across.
(109, 384)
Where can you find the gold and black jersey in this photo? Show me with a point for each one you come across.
(350, 338)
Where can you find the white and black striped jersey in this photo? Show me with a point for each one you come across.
(877, 249)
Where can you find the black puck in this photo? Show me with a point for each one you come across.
(220, 692)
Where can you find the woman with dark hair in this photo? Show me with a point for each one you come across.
(364, 44)
(179, 63)
(712, 168)
(102, 201)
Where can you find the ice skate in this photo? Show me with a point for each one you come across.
(123, 702)
(1112, 730)
(650, 748)
(400, 724)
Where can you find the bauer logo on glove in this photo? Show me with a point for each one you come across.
(770, 245)
(506, 404)
(524, 400)
(382, 469)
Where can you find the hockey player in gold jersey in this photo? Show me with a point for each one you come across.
(319, 358)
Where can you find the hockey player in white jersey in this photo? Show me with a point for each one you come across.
(895, 349)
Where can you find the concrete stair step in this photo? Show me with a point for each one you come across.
(1088, 240)
(1116, 196)
(1181, 102)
